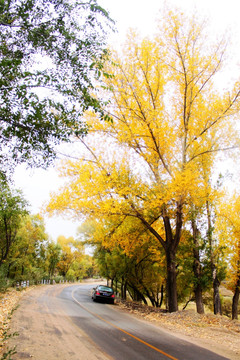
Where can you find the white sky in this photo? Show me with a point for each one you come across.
(223, 14)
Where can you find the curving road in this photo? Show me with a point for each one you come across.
(62, 322)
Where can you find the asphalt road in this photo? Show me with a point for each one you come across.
(68, 317)
(125, 337)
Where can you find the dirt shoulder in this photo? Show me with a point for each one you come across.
(215, 333)
(45, 331)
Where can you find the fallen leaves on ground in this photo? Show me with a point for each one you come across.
(8, 303)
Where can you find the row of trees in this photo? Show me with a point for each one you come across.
(27, 252)
(144, 182)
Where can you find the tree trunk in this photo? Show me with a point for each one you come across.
(171, 281)
(151, 297)
(8, 271)
(197, 270)
(216, 295)
(199, 299)
(216, 283)
(116, 287)
(235, 301)
(123, 289)
(172, 242)
(137, 295)
(170, 245)
(161, 299)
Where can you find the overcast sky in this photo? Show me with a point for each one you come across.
(224, 15)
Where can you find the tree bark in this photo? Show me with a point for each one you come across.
(151, 297)
(216, 283)
(137, 295)
(123, 289)
(197, 270)
(216, 294)
(199, 299)
(161, 299)
(235, 301)
(172, 242)
(8, 271)
(172, 281)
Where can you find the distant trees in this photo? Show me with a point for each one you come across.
(53, 253)
(27, 256)
(71, 260)
(27, 253)
(13, 208)
(153, 163)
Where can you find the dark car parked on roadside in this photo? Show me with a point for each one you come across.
(103, 293)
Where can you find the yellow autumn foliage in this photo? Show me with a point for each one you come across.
(228, 225)
(155, 159)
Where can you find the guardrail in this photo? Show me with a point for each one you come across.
(26, 283)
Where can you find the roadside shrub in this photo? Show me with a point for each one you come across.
(208, 300)
(227, 307)
(58, 279)
(4, 282)
(70, 276)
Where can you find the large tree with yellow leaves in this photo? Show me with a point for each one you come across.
(168, 124)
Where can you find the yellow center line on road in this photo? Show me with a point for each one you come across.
(120, 329)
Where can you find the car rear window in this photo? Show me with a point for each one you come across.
(105, 288)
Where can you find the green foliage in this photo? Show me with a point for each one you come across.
(50, 52)
(58, 279)
(52, 258)
(8, 354)
(12, 209)
(27, 258)
(186, 279)
(220, 261)
(4, 282)
(185, 276)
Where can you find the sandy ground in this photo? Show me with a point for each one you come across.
(39, 326)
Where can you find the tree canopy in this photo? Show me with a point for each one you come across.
(50, 53)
